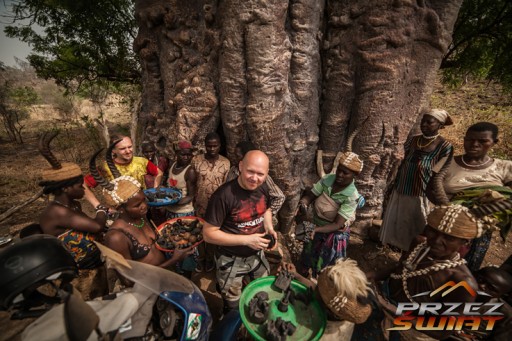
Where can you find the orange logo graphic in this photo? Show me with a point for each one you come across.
(454, 286)
(431, 316)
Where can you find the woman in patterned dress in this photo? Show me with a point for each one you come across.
(335, 198)
(473, 178)
(408, 207)
(63, 217)
(131, 234)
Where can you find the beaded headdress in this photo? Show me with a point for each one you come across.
(59, 171)
(456, 221)
(348, 158)
(351, 161)
(183, 144)
(119, 190)
(339, 287)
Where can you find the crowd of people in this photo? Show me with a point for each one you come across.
(430, 217)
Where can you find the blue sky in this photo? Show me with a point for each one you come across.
(10, 48)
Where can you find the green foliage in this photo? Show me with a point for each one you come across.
(23, 97)
(76, 143)
(78, 42)
(14, 104)
(92, 132)
(52, 94)
(482, 43)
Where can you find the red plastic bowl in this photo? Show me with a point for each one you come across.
(161, 227)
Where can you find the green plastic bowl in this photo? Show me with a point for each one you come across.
(310, 320)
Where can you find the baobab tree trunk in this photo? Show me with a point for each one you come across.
(293, 76)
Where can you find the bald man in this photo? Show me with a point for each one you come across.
(237, 219)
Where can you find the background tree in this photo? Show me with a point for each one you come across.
(77, 41)
(85, 46)
(293, 77)
(14, 104)
(482, 43)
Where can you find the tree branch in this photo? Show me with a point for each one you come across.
(15, 209)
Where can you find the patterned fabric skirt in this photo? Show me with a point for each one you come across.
(324, 250)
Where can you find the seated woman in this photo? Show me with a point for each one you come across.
(472, 177)
(431, 264)
(63, 217)
(131, 233)
(335, 200)
(343, 291)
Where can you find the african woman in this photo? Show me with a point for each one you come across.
(131, 233)
(335, 198)
(476, 177)
(63, 217)
(431, 264)
(406, 212)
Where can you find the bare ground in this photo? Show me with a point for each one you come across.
(21, 165)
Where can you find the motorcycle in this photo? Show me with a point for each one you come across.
(161, 305)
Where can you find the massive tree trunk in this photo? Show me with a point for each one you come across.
(293, 76)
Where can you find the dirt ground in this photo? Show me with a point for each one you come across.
(20, 168)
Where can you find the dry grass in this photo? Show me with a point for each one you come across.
(20, 166)
(475, 102)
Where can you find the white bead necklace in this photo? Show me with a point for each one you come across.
(429, 137)
(440, 265)
(474, 166)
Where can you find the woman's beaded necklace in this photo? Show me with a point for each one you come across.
(431, 138)
(409, 272)
(139, 226)
(474, 166)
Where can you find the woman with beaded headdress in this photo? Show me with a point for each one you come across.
(475, 178)
(131, 234)
(433, 262)
(344, 292)
(335, 198)
(63, 217)
(408, 206)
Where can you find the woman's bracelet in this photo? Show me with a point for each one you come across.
(105, 212)
(101, 207)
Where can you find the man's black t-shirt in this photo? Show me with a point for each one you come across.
(238, 211)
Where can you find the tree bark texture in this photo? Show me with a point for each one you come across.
(293, 76)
